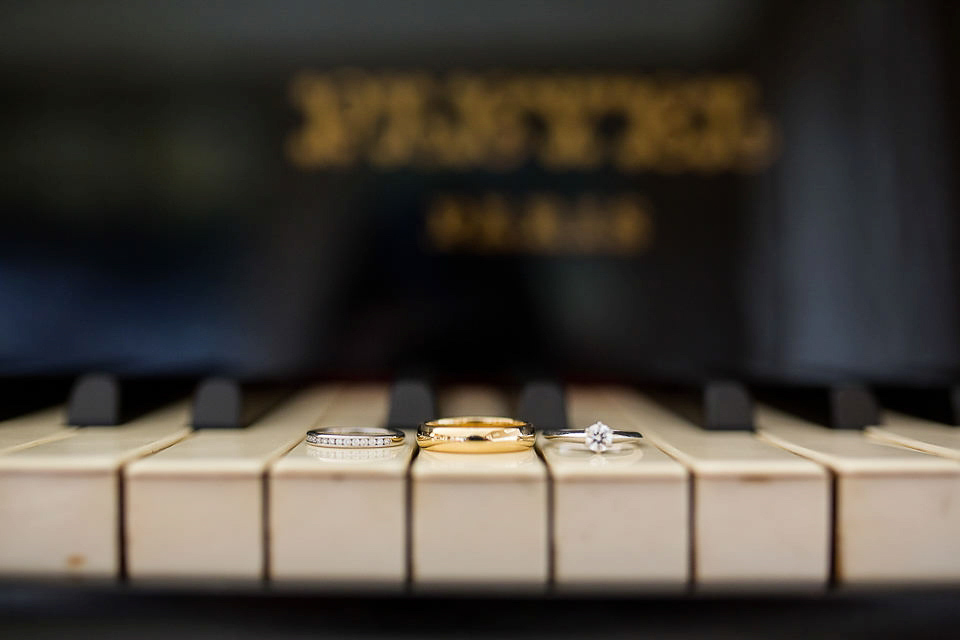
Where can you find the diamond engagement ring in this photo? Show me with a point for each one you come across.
(355, 437)
(598, 437)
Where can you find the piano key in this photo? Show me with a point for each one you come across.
(917, 433)
(94, 400)
(102, 399)
(196, 509)
(33, 428)
(340, 515)
(543, 404)
(225, 403)
(761, 516)
(411, 402)
(721, 405)
(620, 519)
(60, 500)
(473, 400)
(896, 511)
(478, 519)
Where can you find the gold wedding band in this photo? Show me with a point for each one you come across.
(475, 434)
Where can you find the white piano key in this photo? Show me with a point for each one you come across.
(897, 511)
(60, 500)
(478, 519)
(340, 515)
(197, 508)
(34, 428)
(916, 433)
(761, 516)
(620, 519)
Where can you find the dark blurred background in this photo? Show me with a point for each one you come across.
(607, 190)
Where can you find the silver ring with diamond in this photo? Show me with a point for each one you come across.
(598, 437)
(355, 437)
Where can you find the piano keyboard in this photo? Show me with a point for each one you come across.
(785, 502)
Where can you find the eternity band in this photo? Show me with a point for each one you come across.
(476, 434)
(355, 437)
(598, 437)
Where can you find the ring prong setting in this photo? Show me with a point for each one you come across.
(598, 437)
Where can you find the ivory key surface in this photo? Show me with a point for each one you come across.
(340, 515)
(761, 515)
(916, 433)
(60, 500)
(897, 511)
(620, 518)
(196, 510)
(34, 428)
(478, 518)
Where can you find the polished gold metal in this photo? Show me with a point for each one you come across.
(476, 434)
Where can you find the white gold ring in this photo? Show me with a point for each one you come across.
(355, 437)
(598, 437)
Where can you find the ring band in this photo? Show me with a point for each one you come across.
(355, 437)
(597, 437)
(476, 434)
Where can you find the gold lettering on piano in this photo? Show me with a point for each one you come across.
(539, 224)
(499, 121)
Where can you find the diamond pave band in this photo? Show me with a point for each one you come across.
(598, 437)
(355, 437)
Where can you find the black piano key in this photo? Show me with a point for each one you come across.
(939, 404)
(839, 406)
(543, 404)
(718, 405)
(412, 402)
(94, 400)
(103, 399)
(226, 403)
(727, 405)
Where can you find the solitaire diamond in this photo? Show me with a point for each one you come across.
(598, 437)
